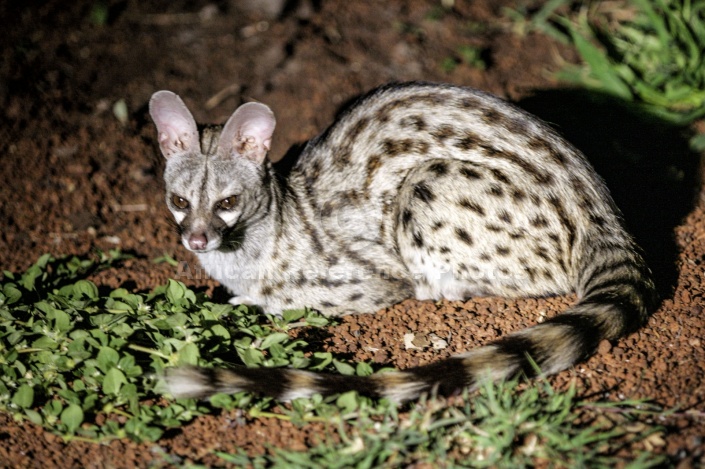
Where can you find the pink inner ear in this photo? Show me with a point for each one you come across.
(175, 125)
(248, 132)
(258, 122)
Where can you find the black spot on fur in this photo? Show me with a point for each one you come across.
(403, 146)
(421, 191)
(373, 164)
(557, 156)
(503, 251)
(531, 273)
(472, 206)
(492, 116)
(500, 176)
(470, 103)
(505, 217)
(542, 252)
(566, 222)
(468, 141)
(418, 239)
(496, 190)
(538, 144)
(518, 195)
(538, 175)
(415, 122)
(439, 169)
(357, 128)
(406, 217)
(470, 173)
(598, 220)
(443, 133)
(464, 236)
(327, 209)
(539, 221)
(355, 297)
(301, 280)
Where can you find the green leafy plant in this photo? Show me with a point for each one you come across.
(651, 53)
(500, 426)
(84, 364)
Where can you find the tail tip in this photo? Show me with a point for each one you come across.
(187, 382)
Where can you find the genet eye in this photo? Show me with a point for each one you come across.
(179, 202)
(228, 203)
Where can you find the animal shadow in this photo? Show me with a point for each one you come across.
(646, 163)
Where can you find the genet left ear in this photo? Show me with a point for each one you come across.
(248, 132)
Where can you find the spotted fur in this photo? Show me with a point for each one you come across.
(417, 190)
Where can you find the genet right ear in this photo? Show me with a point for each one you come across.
(176, 126)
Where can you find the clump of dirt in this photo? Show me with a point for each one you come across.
(75, 178)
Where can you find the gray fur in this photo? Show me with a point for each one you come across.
(417, 190)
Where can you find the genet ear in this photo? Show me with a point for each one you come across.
(248, 132)
(176, 127)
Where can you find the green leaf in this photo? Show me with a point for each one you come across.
(12, 294)
(123, 330)
(317, 321)
(33, 416)
(62, 321)
(276, 338)
(363, 369)
(44, 306)
(45, 342)
(107, 359)
(119, 306)
(293, 315)
(175, 291)
(85, 288)
(24, 396)
(322, 359)
(219, 331)
(600, 66)
(251, 357)
(278, 351)
(29, 278)
(72, 417)
(343, 368)
(113, 381)
(189, 354)
(348, 402)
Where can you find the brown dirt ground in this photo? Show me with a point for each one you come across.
(75, 179)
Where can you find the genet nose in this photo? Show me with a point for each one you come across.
(198, 241)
